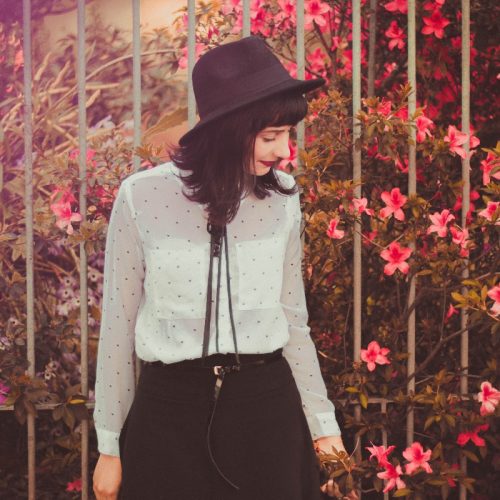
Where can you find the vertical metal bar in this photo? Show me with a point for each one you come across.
(300, 60)
(191, 60)
(82, 161)
(412, 187)
(246, 18)
(464, 341)
(136, 96)
(136, 77)
(383, 407)
(28, 201)
(371, 47)
(356, 153)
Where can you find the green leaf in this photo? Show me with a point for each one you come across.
(403, 492)
(363, 400)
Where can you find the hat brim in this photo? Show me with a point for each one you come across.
(301, 86)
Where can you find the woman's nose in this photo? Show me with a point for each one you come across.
(282, 147)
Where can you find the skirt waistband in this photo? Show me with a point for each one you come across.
(218, 359)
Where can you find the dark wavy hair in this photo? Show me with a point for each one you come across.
(219, 156)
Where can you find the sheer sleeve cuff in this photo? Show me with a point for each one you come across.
(323, 424)
(108, 442)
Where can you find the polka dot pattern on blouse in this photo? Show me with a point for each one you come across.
(154, 292)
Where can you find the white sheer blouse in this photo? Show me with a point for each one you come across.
(154, 293)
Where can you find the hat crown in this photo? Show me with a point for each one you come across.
(237, 74)
(225, 73)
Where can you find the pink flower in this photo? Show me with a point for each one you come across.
(451, 311)
(332, 230)
(76, 485)
(392, 474)
(490, 210)
(397, 6)
(435, 24)
(374, 354)
(287, 15)
(183, 60)
(396, 257)
(456, 140)
(417, 457)
(488, 397)
(424, 126)
(464, 437)
(62, 210)
(394, 201)
(494, 293)
(292, 158)
(439, 221)
(358, 206)
(402, 165)
(487, 166)
(4, 391)
(397, 36)
(460, 237)
(380, 453)
(316, 10)
(317, 61)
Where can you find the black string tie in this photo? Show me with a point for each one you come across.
(217, 241)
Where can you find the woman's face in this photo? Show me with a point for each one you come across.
(271, 146)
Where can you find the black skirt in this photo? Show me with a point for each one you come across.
(259, 436)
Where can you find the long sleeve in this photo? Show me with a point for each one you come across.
(300, 350)
(122, 291)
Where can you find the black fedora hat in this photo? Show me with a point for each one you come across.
(236, 74)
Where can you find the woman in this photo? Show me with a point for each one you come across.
(230, 395)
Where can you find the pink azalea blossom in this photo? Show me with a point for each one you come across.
(316, 10)
(460, 237)
(332, 230)
(436, 4)
(435, 24)
(494, 293)
(4, 391)
(451, 311)
(424, 126)
(457, 139)
(489, 398)
(402, 165)
(76, 485)
(396, 35)
(487, 165)
(183, 60)
(489, 212)
(374, 354)
(464, 437)
(317, 61)
(397, 6)
(292, 158)
(359, 205)
(396, 257)
(287, 16)
(62, 210)
(392, 475)
(394, 201)
(417, 458)
(381, 453)
(439, 221)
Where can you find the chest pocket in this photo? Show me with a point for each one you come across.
(179, 281)
(260, 276)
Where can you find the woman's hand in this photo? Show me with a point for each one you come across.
(107, 477)
(331, 488)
